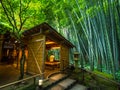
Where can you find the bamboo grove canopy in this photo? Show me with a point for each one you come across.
(92, 25)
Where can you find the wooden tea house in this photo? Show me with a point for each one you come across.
(46, 47)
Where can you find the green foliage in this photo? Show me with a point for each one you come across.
(106, 75)
(4, 28)
(19, 14)
(118, 76)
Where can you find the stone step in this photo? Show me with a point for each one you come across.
(78, 87)
(54, 80)
(57, 87)
(58, 77)
(64, 84)
(67, 82)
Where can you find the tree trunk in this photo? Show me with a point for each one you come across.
(22, 61)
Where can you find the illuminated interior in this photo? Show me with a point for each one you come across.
(52, 54)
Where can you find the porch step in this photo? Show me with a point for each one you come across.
(64, 84)
(78, 87)
(57, 77)
(54, 80)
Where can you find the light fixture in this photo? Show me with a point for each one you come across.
(55, 47)
(40, 82)
(16, 41)
(50, 42)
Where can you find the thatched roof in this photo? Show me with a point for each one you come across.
(51, 33)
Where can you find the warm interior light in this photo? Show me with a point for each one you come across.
(55, 48)
(50, 42)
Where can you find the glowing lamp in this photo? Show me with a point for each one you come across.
(40, 82)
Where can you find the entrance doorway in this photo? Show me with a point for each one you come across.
(52, 56)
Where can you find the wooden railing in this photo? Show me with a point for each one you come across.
(19, 81)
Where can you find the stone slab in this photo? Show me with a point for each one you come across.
(57, 87)
(67, 82)
(57, 77)
(78, 87)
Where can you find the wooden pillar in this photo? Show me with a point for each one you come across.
(1, 42)
(43, 55)
(64, 57)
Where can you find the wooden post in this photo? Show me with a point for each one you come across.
(1, 41)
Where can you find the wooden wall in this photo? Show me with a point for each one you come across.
(36, 51)
(64, 57)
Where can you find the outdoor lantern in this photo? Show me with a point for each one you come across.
(76, 55)
(40, 82)
(76, 59)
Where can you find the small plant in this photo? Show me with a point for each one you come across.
(118, 76)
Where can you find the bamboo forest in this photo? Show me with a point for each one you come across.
(92, 26)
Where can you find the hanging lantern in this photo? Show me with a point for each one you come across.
(76, 55)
